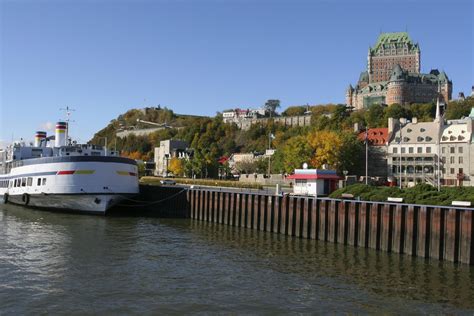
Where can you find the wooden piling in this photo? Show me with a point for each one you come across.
(441, 233)
(314, 220)
(467, 237)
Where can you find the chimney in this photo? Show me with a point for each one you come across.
(39, 137)
(60, 137)
(391, 125)
(414, 120)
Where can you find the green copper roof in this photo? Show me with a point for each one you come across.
(385, 40)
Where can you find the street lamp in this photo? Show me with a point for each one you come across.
(345, 172)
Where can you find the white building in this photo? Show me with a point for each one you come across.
(431, 152)
(239, 115)
(169, 149)
(314, 182)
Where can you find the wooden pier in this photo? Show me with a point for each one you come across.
(442, 233)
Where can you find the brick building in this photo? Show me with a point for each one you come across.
(393, 76)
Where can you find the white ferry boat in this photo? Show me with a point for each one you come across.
(55, 173)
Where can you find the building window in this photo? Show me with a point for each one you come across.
(451, 170)
(460, 171)
(428, 150)
(395, 150)
(451, 150)
(460, 160)
(403, 150)
(443, 150)
(419, 150)
(410, 150)
(460, 150)
(451, 159)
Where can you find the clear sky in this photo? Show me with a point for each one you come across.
(104, 57)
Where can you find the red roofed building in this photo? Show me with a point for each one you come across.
(376, 136)
(377, 153)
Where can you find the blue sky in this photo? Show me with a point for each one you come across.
(199, 57)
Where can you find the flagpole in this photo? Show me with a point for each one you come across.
(269, 147)
(367, 155)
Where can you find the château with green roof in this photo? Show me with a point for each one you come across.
(393, 75)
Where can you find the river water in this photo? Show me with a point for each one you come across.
(79, 264)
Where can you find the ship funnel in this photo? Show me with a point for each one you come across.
(39, 137)
(60, 138)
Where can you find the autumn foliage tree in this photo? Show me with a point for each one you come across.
(176, 166)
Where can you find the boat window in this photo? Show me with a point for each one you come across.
(23, 182)
(30, 181)
(39, 182)
(44, 181)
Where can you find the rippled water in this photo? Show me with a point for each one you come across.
(67, 263)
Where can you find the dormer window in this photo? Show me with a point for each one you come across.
(452, 137)
(460, 137)
(444, 138)
(419, 139)
(422, 130)
(409, 130)
(406, 139)
(428, 139)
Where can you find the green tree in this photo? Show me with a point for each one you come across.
(396, 111)
(374, 116)
(459, 108)
(271, 106)
(296, 152)
(294, 111)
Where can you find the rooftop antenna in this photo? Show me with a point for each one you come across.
(67, 110)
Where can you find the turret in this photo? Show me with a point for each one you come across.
(39, 138)
(61, 134)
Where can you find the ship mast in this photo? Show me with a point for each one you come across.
(68, 120)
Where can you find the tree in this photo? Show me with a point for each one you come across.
(424, 112)
(374, 116)
(294, 111)
(176, 166)
(459, 108)
(351, 153)
(396, 111)
(271, 106)
(326, 146)
(296, 152)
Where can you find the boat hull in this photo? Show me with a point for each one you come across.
(81, 203)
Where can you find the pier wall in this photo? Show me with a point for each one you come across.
(443, 233)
